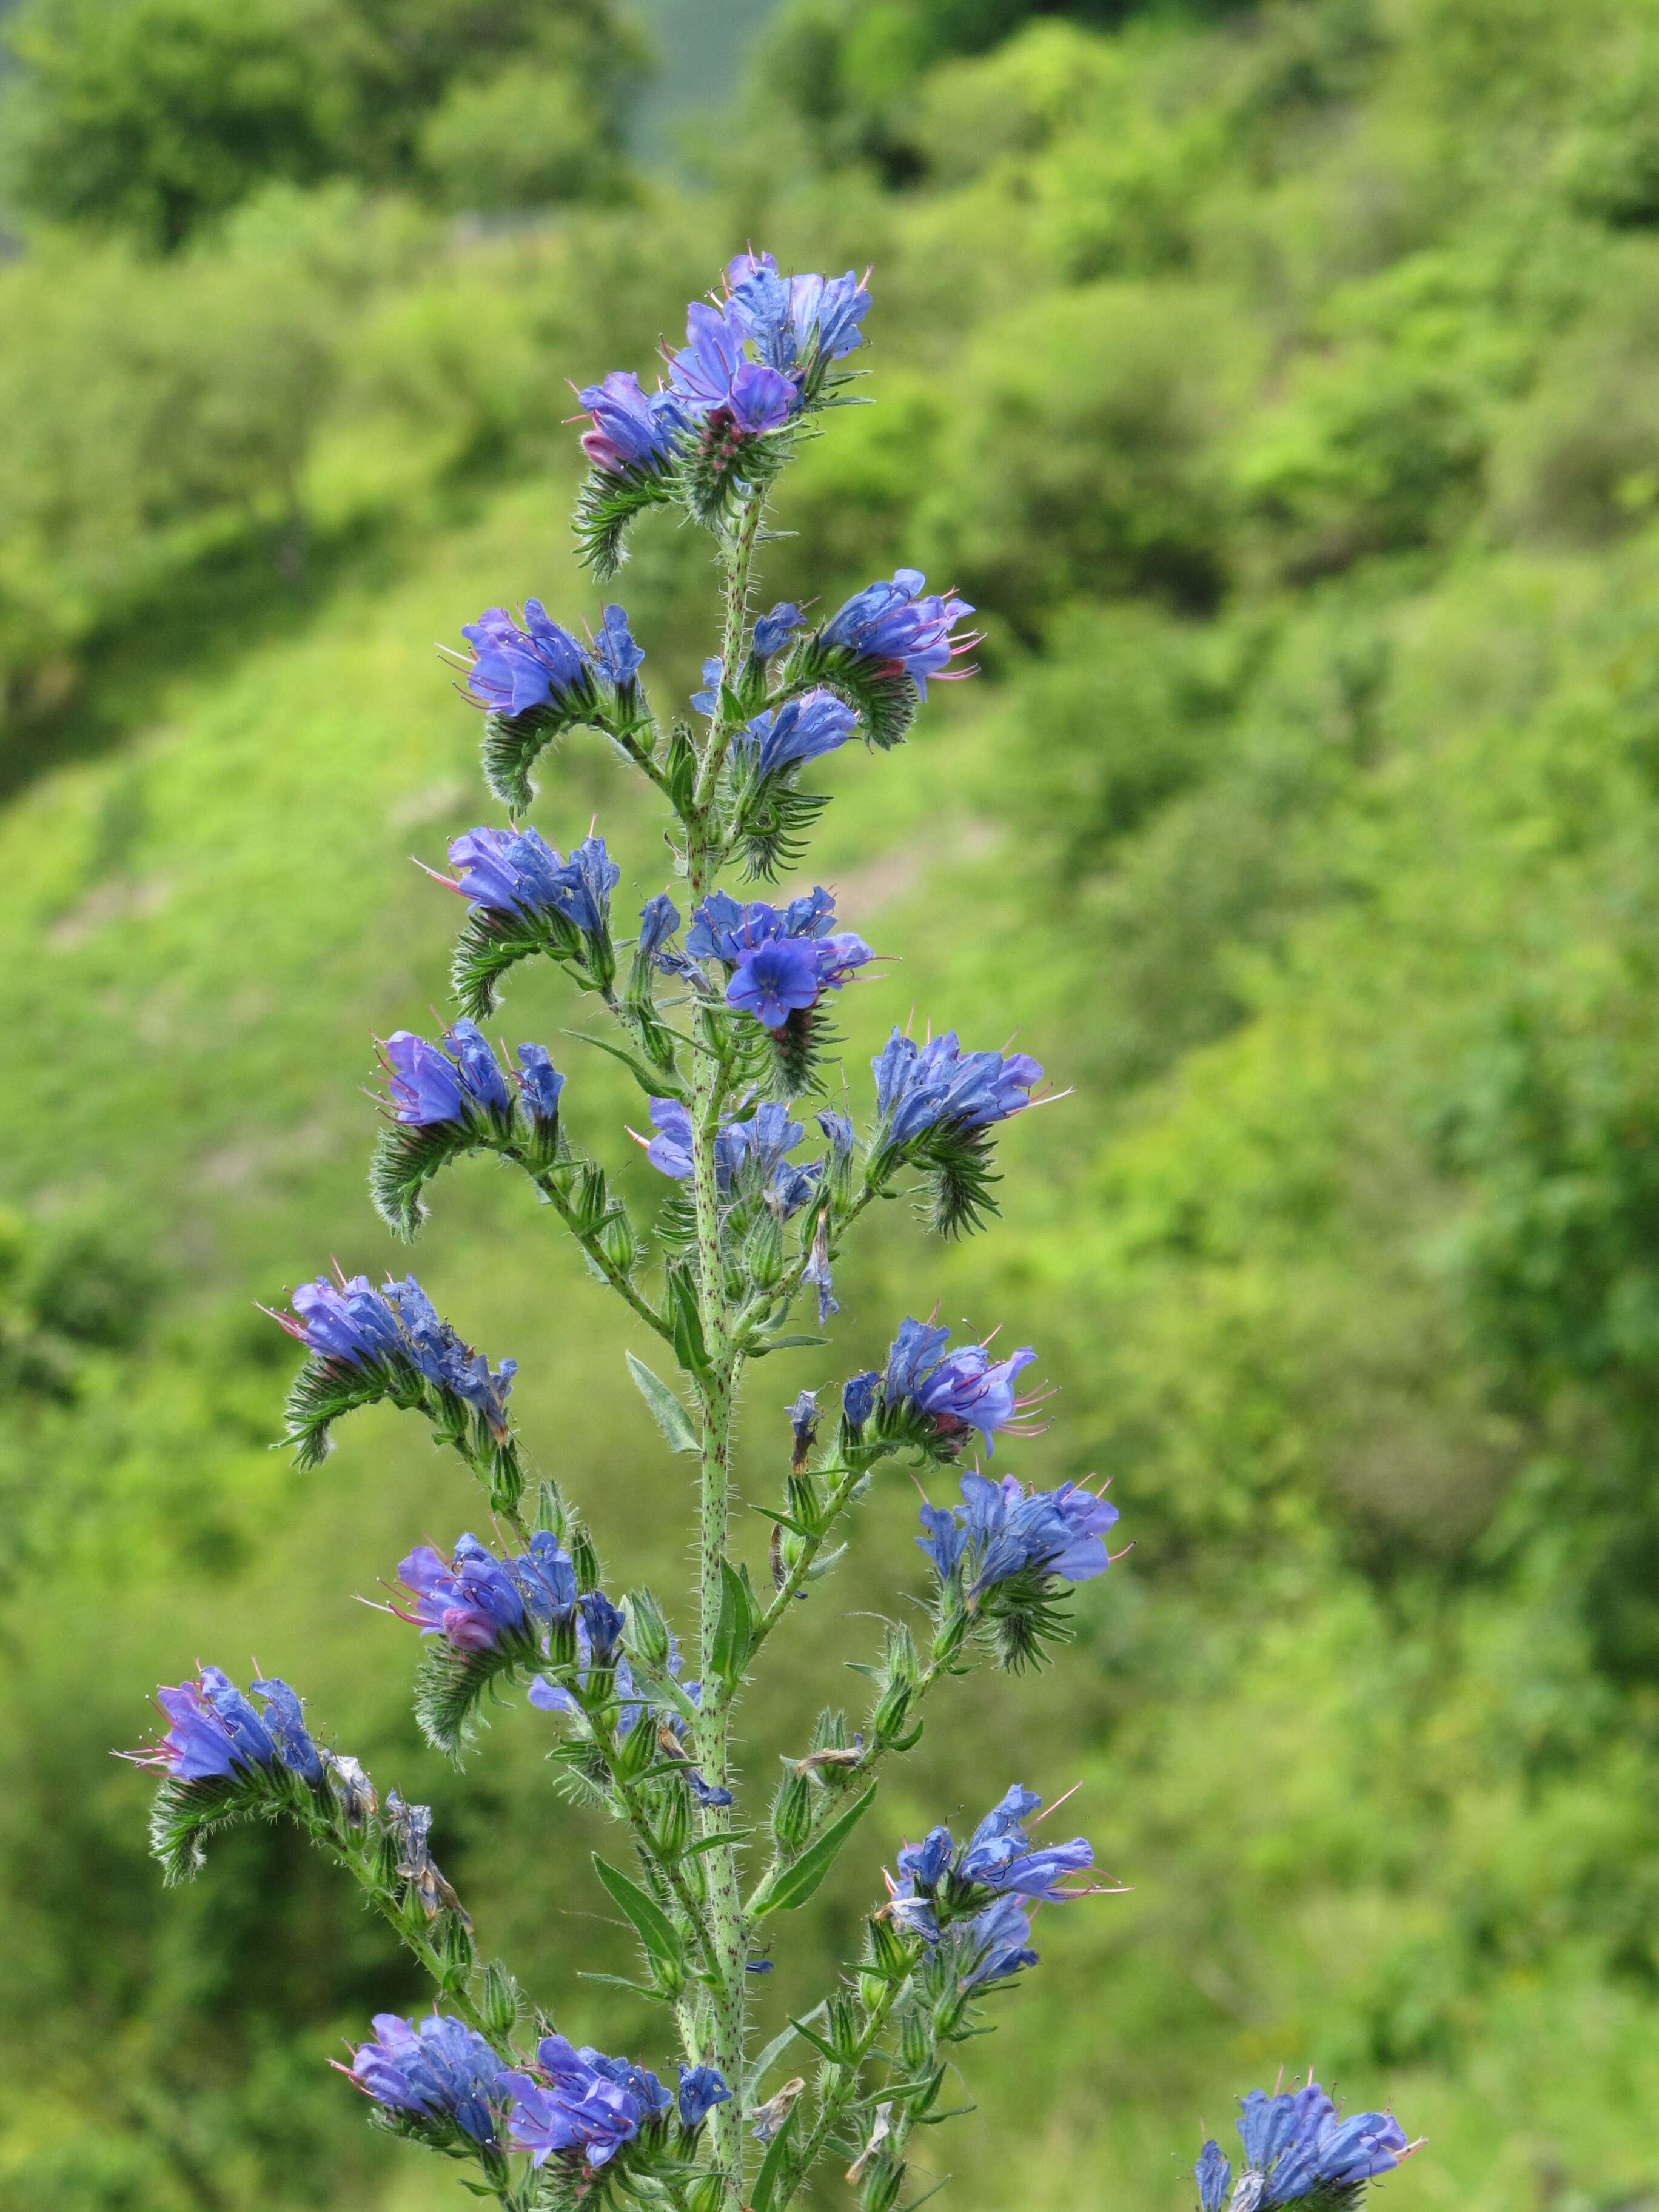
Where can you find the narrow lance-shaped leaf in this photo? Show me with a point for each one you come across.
(667, 1411)
(800, 1880)
(656, 1930)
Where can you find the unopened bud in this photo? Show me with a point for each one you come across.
(890, 1952)
(888, 1719)
(584, 1560)
(638, 1749)
(842, 2033)
(916, 2040)
(617, 1243)
(672, 1829)
(881, 2186)
(505, 1478)
(763, 1251)
(459, 1956)
(500, 2000)
(645, 1636)
(792, 1812)
(591, 1200)
(550, 1514)
(705, 2193)
(872, 1991)
(806, 1502)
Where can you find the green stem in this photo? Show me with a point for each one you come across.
(590, 1244)
(834, 2106)
(714, 1388)
(787, 1288)
(839, 1499)
(738, 564)
(672, 1874)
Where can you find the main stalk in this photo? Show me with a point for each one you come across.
(725, 1899)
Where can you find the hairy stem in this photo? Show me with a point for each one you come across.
(836, 2104)
(739, 556)
(672, 1874)
(590, 1244)
(714, 1388)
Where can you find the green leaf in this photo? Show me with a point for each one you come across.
(759, 1346)
(713, 1842)
(800, 1880)
(690, 1348)
(656, 1082)
(824, 2050)
(734, 1626)
(766, 2181)
(667, 1411)
(656, 1930)
(762, 2065)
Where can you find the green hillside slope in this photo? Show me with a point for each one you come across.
(1282, 390)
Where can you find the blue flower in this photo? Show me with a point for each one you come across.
(440, 2072)
(438, 1353)
(799, 323)
(995, 1944)
(615, 654)
(284, 1718)
(213, 1733)
(702, 2087)
(787, 736)
(777, 963)
(757, 1151)
(349, 1325)
(603, 1623)
(950, 1395)
(1001, 1530)
(580, 2104)
(803, 1424)
(477, 1602)
(858, 1398)
(1214, 2176)
(937, 1879)
(462, 1084)
(518, 873)
(893, 627)
(658, 920)
(774, 631)
(922, 1088)
(712, 375)
(632, 429)
(1295, 2146)
(517, 672)
(540, 1085)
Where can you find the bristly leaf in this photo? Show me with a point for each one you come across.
(512, 743)
(451, 1685)
(605, 506)
(771, 829)
(667, 1411)
(185, 1813)
(405, 1160)
(323, 1389)
(880, 693)
(800, 1880)
(488, 945)
(719, 466)
(734, 1625)
(655, 1929)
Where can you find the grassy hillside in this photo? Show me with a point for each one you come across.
(1282, 391)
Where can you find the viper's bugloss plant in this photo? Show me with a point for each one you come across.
(722, 1007)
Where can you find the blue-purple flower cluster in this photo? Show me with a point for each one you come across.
(781, 739)
(976, 1901)
(750, 363)
(478, 1603)
(215, 1734)
(462, 1085)
(937, 1398)
(349, 1325)
(585, 2107)
(754, 1152)
(901, 628)
(517, 873)
(936, 1087)
(1000, 1531)
(599, 1628)
(438, 2077)
(1297, 2145)
(777, 961)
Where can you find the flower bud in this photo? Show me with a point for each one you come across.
(645, 1636)
(871, 1990)
(638, 1749)
(590, 1201)
(951, 1629)
(916, 2040)
(705, 2193)
(550, 1514)
(617, 1243)
(763, 1251)
(506, 1477)
(841, 2033)
(882, 2185)
(500, 2000)
(888, 1719)
(890, 1953)
(584, 1560)
(671, 1830)
(562, 1643)
(792, 1812)
(458, 1954)
(806, 1502)
(947, 2013)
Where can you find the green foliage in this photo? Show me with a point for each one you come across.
(148, 118)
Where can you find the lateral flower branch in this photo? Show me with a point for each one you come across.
(722, 1006)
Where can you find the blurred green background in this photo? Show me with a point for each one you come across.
(1280, 382)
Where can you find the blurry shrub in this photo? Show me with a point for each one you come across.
(1610, 163)
(527, 138)
(1125, 710)
(1080, 461)
(148, 117)
(1580, 460)
(850, 498)
(1048, 81)
(1376, 450)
